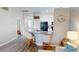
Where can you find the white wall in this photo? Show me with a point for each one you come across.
(8, 24)
(60, 29)
(74, 19)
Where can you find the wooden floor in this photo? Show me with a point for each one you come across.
(16, 45)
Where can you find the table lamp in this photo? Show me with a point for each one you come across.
(72, 35)
(73, 38)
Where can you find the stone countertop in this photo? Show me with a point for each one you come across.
(43, 32)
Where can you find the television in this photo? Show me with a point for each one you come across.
(44, 26)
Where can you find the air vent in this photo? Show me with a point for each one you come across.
(25, 11)
(36, 17)
(5, 8)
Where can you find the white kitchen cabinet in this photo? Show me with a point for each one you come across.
(43, 37)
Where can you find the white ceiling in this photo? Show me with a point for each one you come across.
(37, 9)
